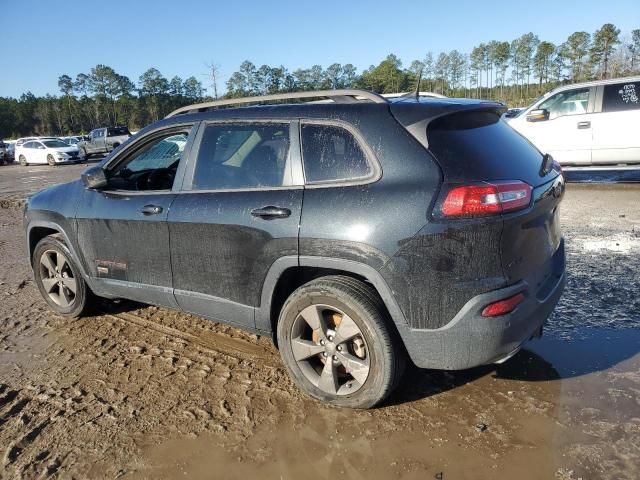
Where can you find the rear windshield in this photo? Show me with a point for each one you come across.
(477, 146)
(117, 131)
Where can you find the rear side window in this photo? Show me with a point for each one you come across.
(621, 96)
(331, 153)
(242, 156)
(117, 131)
(478, 146)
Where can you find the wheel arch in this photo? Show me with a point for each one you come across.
(39, 229)
(289, 273)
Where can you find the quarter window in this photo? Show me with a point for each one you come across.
(621, 96)
(242, 156)
(571, 102)
(331, 153)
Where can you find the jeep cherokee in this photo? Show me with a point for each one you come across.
(359, 231)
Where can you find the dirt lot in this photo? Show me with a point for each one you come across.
(145, 392)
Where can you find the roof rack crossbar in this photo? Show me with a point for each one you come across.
(339, 96)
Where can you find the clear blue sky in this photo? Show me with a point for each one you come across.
(41, 40)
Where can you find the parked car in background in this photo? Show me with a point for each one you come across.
(103, 140)
(513, 112)
(73, 140)
(22, 140)
(49, 151)
(592, 123)
(3, 152)
(284, 220)
(10, 153)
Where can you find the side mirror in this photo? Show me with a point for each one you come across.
(538, 115)
(94, 178)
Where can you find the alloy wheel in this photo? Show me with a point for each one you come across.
(57, 278)
(330, 349)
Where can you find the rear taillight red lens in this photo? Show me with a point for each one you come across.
(485, 199)
(503, 307)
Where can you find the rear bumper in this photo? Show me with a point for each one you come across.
(470, 339)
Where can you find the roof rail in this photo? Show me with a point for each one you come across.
(338, 96)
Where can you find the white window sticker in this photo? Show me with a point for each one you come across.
(628, 93)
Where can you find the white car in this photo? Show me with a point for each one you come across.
(593, 123)
(46, 151)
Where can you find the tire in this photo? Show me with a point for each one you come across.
(370, 362)
(22, 160)
(55, 286)
(84, 155)
(50, 160)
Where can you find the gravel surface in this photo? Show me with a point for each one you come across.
(147, 392)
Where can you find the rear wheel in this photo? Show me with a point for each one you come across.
(59, 279)
(22, 160)
(50, 160)
(336, 344)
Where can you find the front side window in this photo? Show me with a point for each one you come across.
(571, 102)
(242, 156)
(331, 153)
(153, 166)
(621, 96)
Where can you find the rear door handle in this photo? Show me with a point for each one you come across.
(151, 209)
(583, 125)
(270, 212)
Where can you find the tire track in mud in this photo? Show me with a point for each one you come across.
(216, 342)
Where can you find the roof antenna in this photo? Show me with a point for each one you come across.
(418, 84)
(417, 92)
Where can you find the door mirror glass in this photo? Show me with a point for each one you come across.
(538, 115)
(94, 178)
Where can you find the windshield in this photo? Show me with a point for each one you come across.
(55, 144)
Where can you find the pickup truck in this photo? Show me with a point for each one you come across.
(103, 140)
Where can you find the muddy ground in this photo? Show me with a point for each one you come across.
(146, 392)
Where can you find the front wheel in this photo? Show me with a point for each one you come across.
(84, 155)
(50, 160)
(59, 279)
(22, 160)
(336, 343)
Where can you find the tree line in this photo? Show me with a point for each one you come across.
(513, 72)
(99, 98)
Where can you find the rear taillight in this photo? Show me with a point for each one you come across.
(484, 199)
(502, 307)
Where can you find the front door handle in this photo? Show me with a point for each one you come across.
(151, 210)
(583, 125)
(270, 212)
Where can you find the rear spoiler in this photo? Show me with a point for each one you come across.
(416, 116)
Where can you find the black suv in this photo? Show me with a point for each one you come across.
(357, 230)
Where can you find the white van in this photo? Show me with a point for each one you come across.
(591, 123)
